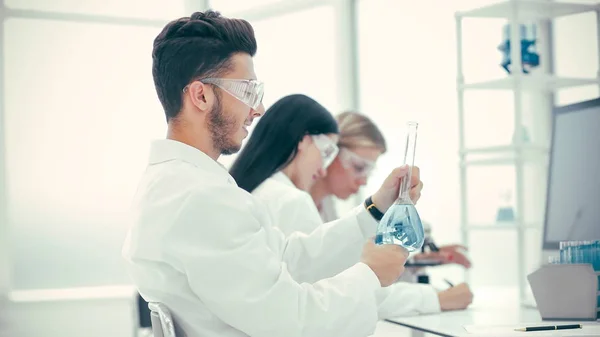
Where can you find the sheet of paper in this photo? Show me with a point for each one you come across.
(589, 329)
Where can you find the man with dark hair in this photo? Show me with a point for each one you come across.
(205, 248)
(194, 54)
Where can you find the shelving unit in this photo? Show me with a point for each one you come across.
(530, 82)
(519, 153)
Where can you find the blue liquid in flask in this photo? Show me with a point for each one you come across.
(401, 225)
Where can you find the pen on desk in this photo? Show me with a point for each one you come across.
(551, 327)
(449, 283)
(433, 246)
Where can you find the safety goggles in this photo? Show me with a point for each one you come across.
(249, 92)
(327, 147)
(360, 166)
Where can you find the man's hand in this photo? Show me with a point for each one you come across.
(447, 254)
(389, 190)
(455, 298)
(386, 261)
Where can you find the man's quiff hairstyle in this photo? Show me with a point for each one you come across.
(196, 47)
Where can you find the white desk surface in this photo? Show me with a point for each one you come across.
(492, 311)
(452, 323)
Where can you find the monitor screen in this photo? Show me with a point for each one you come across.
(573, 200)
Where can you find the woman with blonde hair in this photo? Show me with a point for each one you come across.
(360, 145)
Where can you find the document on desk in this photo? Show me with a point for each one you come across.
(589, 329)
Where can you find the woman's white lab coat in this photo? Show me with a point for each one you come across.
(293, 210)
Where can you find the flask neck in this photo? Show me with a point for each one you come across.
(409, 159)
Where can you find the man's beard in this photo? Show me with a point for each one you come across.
(222, 129)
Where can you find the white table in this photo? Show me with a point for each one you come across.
(450, 324)
(493, 309)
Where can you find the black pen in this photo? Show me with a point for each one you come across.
(433, 246)
(449, 283)
(551, 327)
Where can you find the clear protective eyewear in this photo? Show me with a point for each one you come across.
(360, 166)
(249, 92)
(327, 147)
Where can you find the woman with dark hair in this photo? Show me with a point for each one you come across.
(282, 160)
(288, 151)
(274, 168)
(297, 135)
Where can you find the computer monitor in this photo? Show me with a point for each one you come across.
(573, 193)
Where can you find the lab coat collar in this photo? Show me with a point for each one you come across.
(283, 178)
(167, 149)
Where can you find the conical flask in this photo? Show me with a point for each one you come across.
(401, 224)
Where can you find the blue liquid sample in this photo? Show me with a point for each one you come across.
(401, 225)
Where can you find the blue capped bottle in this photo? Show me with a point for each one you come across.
(401, 224)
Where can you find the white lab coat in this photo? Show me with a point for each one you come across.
(294, 211)
(327, 211)
(208, 251)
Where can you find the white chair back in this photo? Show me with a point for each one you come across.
(162, 321)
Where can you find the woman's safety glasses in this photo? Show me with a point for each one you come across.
(360, 166)
(327, 147)
(249, 92)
